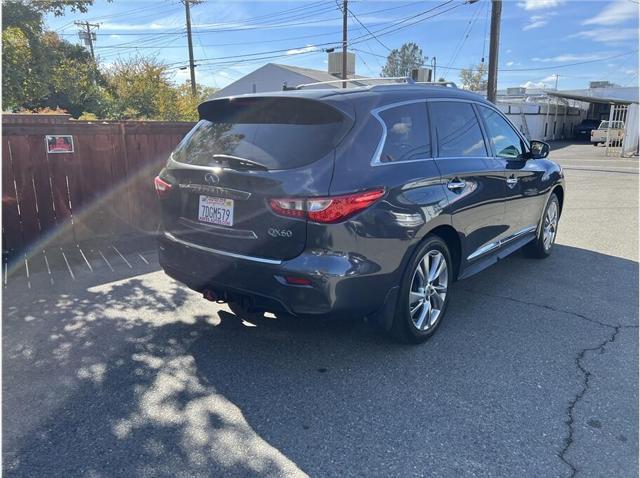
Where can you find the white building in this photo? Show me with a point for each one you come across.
(273, 76)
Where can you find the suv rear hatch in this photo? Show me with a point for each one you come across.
(242, 153)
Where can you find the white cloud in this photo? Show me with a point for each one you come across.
(510, 63)
(536, 22)
(532, 84)
(608, 35)
(572, 57)
(180, 76)
(615, 12)
(539, 4)
(545, 82)
(306, 49)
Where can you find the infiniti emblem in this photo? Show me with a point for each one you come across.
(211, 178)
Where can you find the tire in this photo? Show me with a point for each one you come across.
(422, 324)
(542, 246)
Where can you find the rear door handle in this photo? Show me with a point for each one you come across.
(512, 181)
(456, 184)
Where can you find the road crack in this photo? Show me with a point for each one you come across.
(568, 441)
(586, 374)
(553, 309)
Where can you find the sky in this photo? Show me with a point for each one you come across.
(571, 41)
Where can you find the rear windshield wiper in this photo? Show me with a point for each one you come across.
(234, 162)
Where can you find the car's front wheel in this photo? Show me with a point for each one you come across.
(424, 293)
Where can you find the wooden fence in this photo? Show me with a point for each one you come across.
(103, 188)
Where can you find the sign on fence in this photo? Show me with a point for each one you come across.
(61, 143)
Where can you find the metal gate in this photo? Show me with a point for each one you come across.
(617, 120)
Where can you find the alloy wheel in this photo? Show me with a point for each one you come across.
(428, 290)
(550, 225)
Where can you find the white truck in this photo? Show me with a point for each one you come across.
(616, 133)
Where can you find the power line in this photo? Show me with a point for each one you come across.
(566, 65)
(394, 26)
(464, 37)
(364, 26)
(357, 40)
(458, 68)
(308, 12)
(253, 42)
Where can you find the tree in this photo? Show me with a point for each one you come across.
(43, 72)
(187, 104)
(401, 61)
(474, 79)
(141, 89)
(16, 65)
(40, 70)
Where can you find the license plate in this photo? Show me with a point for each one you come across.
(213, 210)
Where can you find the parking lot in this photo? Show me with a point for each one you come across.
(120, 371)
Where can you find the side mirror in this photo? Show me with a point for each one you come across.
(539, 149)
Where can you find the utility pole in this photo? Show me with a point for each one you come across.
(494, 46)
(192, 66)
(344, 42)
(87, 35)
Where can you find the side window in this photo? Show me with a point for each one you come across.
(505, 140)
(457, 129)
(407, 133)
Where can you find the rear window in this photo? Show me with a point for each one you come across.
(275, 133)
(407, 133)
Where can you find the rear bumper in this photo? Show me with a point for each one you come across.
(342, 285)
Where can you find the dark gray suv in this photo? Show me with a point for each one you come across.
(363, 202)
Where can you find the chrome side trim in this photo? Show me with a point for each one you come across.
(495, 245)
(521, 232)
(261, 260)
(420, 160)
(216, 191)
(483, 250)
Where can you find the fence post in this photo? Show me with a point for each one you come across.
(606, 144)
(125, 154)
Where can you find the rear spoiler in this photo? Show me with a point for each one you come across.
(301, 109)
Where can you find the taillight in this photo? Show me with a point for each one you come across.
(162, 187)
(294, 207)
(328, 209)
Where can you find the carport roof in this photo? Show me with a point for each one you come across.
(622, 95)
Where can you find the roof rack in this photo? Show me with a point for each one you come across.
(450, 84)
(404, 79)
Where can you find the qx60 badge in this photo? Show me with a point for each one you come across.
(275, 232)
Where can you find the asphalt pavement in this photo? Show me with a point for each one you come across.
(120, 371)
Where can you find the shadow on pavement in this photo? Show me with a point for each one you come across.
(142, 378)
